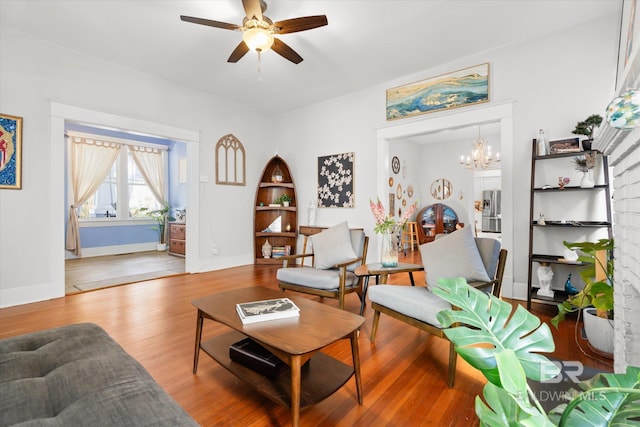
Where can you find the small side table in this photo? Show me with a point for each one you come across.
(382, 274)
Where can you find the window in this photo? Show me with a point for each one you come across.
(140, 194)
(124, 191)
(103, 203)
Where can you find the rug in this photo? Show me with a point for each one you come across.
(114, 281)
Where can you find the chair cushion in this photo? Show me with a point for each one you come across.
(315, 278)
(455, 255)
(332, 246)
(413, 301)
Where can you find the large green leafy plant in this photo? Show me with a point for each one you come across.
(503, 344)
(596, 293)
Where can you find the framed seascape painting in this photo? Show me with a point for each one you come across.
(335, 181)
(10, 152)
(452, 90)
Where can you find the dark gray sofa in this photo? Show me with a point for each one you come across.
(78, 375)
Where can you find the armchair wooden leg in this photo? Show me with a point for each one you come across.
(453, 357)
(374, 326)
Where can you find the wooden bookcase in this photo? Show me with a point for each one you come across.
(269, 189)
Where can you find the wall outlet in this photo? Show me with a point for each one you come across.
(214, 249)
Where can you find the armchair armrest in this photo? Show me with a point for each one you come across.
(346, 263)
(293, 258)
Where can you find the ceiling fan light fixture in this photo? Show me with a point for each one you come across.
(258, 39)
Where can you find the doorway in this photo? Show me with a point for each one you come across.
(501, 113)
(61, 113)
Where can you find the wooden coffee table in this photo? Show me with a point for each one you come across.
(295, 341)
(382, 274)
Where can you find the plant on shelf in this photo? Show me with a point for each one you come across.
(502, 344)
(585, 163)
(162, 217)
(283, 200)
(587, 127)
(598, 280)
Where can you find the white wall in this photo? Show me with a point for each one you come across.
(555, 82)
(33, 73)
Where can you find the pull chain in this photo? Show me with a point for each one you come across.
(259, 63)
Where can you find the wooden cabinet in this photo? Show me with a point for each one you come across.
(276, 223)
(177, 238)
(435, 219)
(571, 213)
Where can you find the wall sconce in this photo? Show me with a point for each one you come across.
(623, 112)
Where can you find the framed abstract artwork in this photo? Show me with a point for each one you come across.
(10, 152)
(335, 181)
(452, 90)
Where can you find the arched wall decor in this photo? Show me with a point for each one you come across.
(230, 161)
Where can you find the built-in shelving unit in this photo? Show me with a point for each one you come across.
(577, 207)
(275, 181)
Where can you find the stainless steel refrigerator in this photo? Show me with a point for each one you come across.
(491, 213)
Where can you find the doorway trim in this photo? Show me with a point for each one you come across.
(498, 112)
(61, 112)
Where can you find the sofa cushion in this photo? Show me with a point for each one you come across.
(78, 376)
(332, 246)
(455, 255)
(413, 301)
(314, 278)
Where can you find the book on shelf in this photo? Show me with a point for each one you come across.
(260, 311)
(279, 251)
(254, 356)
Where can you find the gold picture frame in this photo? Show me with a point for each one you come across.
(10, 152)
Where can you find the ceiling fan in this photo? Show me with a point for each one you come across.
(258, 30)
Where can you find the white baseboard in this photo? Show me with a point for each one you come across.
(114, 250)
(28, 294)
(218, 263)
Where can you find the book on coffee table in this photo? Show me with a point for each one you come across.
(260, 311)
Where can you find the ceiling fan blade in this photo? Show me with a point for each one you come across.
(283, 49)
(301, 24)
(252, 8)
(209, 23)
(238, 52)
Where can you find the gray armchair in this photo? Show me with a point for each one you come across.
(336, 254)
(418, 306)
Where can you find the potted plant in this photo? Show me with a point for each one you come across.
(283, 200)
(587, 127)
(501, 343)
(161, 216)
(596, 299)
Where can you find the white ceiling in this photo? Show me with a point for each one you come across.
(366, 42)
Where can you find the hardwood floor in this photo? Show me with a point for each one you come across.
(403, 372)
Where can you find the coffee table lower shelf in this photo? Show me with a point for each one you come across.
(321, 376)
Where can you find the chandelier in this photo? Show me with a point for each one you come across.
(481, 156)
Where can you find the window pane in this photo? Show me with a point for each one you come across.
(140, 195)
(103, 202)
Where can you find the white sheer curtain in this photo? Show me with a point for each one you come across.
(150, 163)
(91, 161)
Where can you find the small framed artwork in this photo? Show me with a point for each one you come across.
(392, 203)
(567, 145)
(10, 152)
(335, 181)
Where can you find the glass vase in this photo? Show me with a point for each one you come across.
(389, 254)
